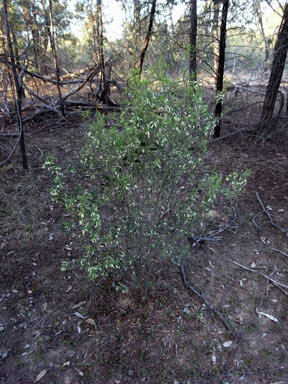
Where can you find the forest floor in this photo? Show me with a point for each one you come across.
(57, 327)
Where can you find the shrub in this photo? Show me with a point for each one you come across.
(141, 182)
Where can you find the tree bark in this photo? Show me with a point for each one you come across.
(18, 85)
(221, 64)
(278, 64)
(193, 41)
(147, 38)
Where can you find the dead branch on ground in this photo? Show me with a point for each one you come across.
(264, 210)
(195, 241)
(276, 283)
(210, 306)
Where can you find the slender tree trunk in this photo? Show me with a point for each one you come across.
(5, 108)
(17, 58)
(36, 47)
(278, 64)
(104, 87)
(215, 36)
(262, 30)
(94, 39)
(193, 40)
(221, 64)
(19, 87)
(147, 38)
(100, 40)
(36, 38)
(45, 36)
(55, 59)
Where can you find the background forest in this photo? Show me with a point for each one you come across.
(225, 46)
(143, 191)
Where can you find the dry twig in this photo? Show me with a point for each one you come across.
(264, 210)
(278, 250)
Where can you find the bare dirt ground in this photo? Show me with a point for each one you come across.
(57, 327)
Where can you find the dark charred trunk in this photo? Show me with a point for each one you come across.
(221, 64)
(193, 40)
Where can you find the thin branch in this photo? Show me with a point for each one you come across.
(278, 250)
(38, 96)
(77, 89)
(264, 209)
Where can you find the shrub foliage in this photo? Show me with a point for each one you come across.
(141, 183)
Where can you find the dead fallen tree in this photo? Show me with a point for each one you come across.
(80, 90)
(70, 89)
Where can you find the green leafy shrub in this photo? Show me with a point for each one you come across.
(141, 183)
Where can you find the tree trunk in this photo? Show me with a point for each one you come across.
(94, 39)
(278, 64)
(215, 36)
(221, 63)
(103, 93)
(147, 38)
(100, 41)
(193, 40)
(18, 85)
(55, 59)
(45, 33)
